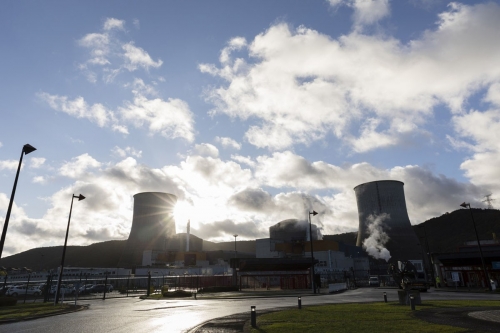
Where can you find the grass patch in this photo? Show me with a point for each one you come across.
(366, 317)
(21, 311)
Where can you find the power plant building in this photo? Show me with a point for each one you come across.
(383, 202)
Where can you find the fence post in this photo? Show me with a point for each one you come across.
(149, 284)
(128, 278)
(27, 286)
(105, 286)
(47, 289)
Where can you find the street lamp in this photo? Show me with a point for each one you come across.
(235, 253)
(26, 150)
(312, 251)
(429, 258)
(80, 198)
(465, 205)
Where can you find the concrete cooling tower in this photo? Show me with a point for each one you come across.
(153, 222)
(382, 208)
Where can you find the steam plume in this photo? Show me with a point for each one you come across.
(375, 243)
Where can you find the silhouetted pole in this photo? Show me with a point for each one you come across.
(26, 150)
(465, 205)
(312, 251)
(80, 197)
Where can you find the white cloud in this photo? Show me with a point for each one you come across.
(341, 82)
(39, 180)
(366, 12)
(171, 118)
(99, 48)
(37, 162)
(112, 23)
(136, 23)
(8, 164)
(369, 11)
(1, 144)
(228, 142)
(109, 54)
(243, 160)
(96, 113)
(127, 151)
(480, 132)
(137, 57)
(79, 166)
(207, 150)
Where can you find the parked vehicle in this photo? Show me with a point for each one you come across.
(99, 288)
(85, 289)
(64, 289)
(374, 281)
(21, 290)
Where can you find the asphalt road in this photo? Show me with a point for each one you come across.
(135, 315)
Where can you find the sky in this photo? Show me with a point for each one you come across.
(250, 112)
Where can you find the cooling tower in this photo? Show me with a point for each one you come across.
(387, 197)
(153, 222)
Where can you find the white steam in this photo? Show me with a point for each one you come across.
(374, 244)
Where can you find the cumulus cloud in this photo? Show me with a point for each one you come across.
(342, 82)
(39, 180)
(206, 149)
(136, 57)
(171, 118)
(37, 162)
(366, 12)
(79, 108)
(79, 166)
(127, 151)
(228, 142)
(8, 164)
(112, 23)
(111, 55)
(243, 160)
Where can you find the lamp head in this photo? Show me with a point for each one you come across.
(80, 197)
(464, 204)
(28, 149)
(313, 213)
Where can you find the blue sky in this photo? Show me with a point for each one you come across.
(251, 112)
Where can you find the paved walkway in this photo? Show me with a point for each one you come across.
(491, 315)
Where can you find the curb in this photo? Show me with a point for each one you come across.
(65, 311)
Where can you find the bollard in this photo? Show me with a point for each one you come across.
(300, 303)
(385, 297)
(253, 316)
(412, 302)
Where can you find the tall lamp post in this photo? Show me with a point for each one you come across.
(26, 150)
(80, 197)
(429, 258)
(235, 276)
(465, 205)
(312, 251)
(235, 253)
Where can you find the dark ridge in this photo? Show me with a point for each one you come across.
(104, 254)
(247, 246)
